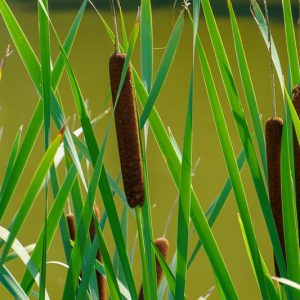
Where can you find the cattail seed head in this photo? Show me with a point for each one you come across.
(162, 245)
(71, 226)
(127, 132)
(273, 143)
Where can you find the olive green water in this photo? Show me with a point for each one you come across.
(89, 60)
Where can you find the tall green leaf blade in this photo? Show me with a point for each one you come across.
(164, 68)
(46, 96)
(53, 220)
(28, 143)
(34, 70)
(289, 208)
(22, 254)
(82, 232)
(215, 208)
(232, 167)
(243, 130)
(11, 159)
(32, 191)
(248, 88)
(197, 215)
(184, 201)
(146, 43)
(271, 288)
(11, 284)
(291, 42)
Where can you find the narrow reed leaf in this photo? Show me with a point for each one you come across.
(46, 97)
(22, 254)
(262, 24)
(291, 42)
(123, 27)
(83, 227)
(32, 191)
(184, 199)
(11, 284)
(45, 67)
(270, 286)
(146, 44)
(11, 160)
(243, 130)
(164, 68)
(215, 208)
(146, 276)
(184, 203)
(197, 214)
(248, 88)
(166, 270)
(112, 282)
(289, 209)
(34, 70)
(21, 43)
(116, 260)
(68, 43)
(28, 143)
(232, 167)
(123, 289)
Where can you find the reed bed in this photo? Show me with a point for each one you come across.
(100, 261)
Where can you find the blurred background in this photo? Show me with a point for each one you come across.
(89, 60)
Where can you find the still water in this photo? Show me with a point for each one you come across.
(89, 60)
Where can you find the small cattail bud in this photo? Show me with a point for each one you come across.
(71, 226)
(162, 245)
(273, 143)
(127, 132)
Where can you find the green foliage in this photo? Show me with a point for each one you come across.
(81, 253)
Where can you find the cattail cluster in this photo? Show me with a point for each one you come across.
(127, 131)
(162, 245)
(101, 281)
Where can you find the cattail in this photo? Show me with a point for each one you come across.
(127, 131)
(101, 282)
(71, 226)
(162, 245)
(273, 143)
(296, 102)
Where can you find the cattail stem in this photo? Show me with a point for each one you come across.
(296, 102)
(101, 281)
(127, 132)
(162, 245)
(273, 143)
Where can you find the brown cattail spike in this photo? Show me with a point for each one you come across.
(101, 281)
(296, 102)
(127, 132)
(71, 226)
(162, 245)
(273, 143)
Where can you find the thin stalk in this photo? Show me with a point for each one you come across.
(146, 288)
